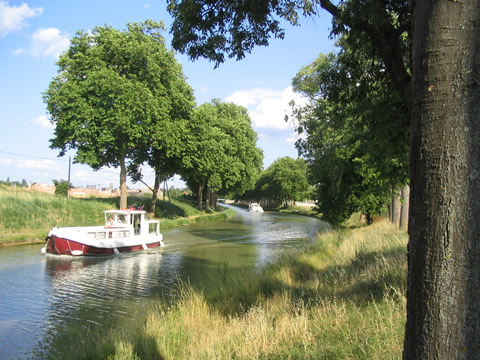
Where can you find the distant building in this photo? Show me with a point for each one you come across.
(45, 188)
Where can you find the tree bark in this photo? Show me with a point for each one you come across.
(156, 187)
(396, 208)
(390, 206)
(123, 184)
(201, 186)
(443, 320)
(405, 207)
(207, 199)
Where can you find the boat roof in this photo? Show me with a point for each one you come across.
(125, 211)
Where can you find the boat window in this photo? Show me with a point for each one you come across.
(153, 228)
(136, 223)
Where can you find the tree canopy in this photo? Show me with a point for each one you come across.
(443, 104)
(222, 155)
(116, 92)
(354, 131)
(285, 180)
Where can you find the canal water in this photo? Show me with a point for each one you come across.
(50, 304)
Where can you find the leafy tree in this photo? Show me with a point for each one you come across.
(355, 131)
(61, 187)
(285, 180)
(444, 263)
(113, 94)
(222, 154)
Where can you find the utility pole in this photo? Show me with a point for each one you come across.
(69, 167)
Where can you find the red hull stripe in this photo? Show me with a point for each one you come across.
(61, 246)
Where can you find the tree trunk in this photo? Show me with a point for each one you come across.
(207, 199)
(123, 184)
(390, 206)
(201, 185)
(214, 199)
(168, 191)
(443, 312)
(405, 206)
(369, 218)
(396, 208)
(156, 187)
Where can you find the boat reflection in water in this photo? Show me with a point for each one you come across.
(88, 296)
(59, 306)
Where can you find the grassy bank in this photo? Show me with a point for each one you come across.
(27, 216)
(344, 298)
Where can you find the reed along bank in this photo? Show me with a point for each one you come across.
(342, 298)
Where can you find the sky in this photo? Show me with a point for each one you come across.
(33, 34)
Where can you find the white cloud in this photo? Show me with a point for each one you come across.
(44, 164)
(43, 121)
(17, 51)
(6, 161)
(49, 42)
(267, 108)
(12, 18)
(37, 164)
(203, 90)
(146, 6)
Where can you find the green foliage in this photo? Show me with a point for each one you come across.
(61, 187)
(8, 182)
(355, 131)
(284, 181)
(359, 98)
(343, 298)
(215, 29)
(222, 150)
(115, 92)
(27, 215)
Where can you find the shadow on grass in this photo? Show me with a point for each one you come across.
(368, 277)
(163, 209)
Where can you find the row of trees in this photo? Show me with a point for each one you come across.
(429, 52)
(121, 100)
(354, 131)
(8, 182)
(282, 183)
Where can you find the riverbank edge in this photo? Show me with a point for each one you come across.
(224, 214)
(344, 297)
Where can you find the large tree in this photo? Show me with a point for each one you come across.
(443, 313)
(284, 181)
(443, 317)
(114, 93)
(222, 155)
(354, 131)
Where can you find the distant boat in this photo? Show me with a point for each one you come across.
(124, 231)
(255, 207)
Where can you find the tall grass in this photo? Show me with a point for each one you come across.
(28, 215)
(344, 298)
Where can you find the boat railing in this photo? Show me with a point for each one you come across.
(109, 233)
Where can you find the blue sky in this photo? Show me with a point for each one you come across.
(34, 33)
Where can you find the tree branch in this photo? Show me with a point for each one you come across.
(328, 6)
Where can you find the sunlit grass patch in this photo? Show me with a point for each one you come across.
(343, 298)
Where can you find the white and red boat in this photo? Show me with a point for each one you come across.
(124, 231)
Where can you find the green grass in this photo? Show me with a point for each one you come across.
(343, 298)
(27, 216)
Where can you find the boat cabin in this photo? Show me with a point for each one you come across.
(136, 219)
